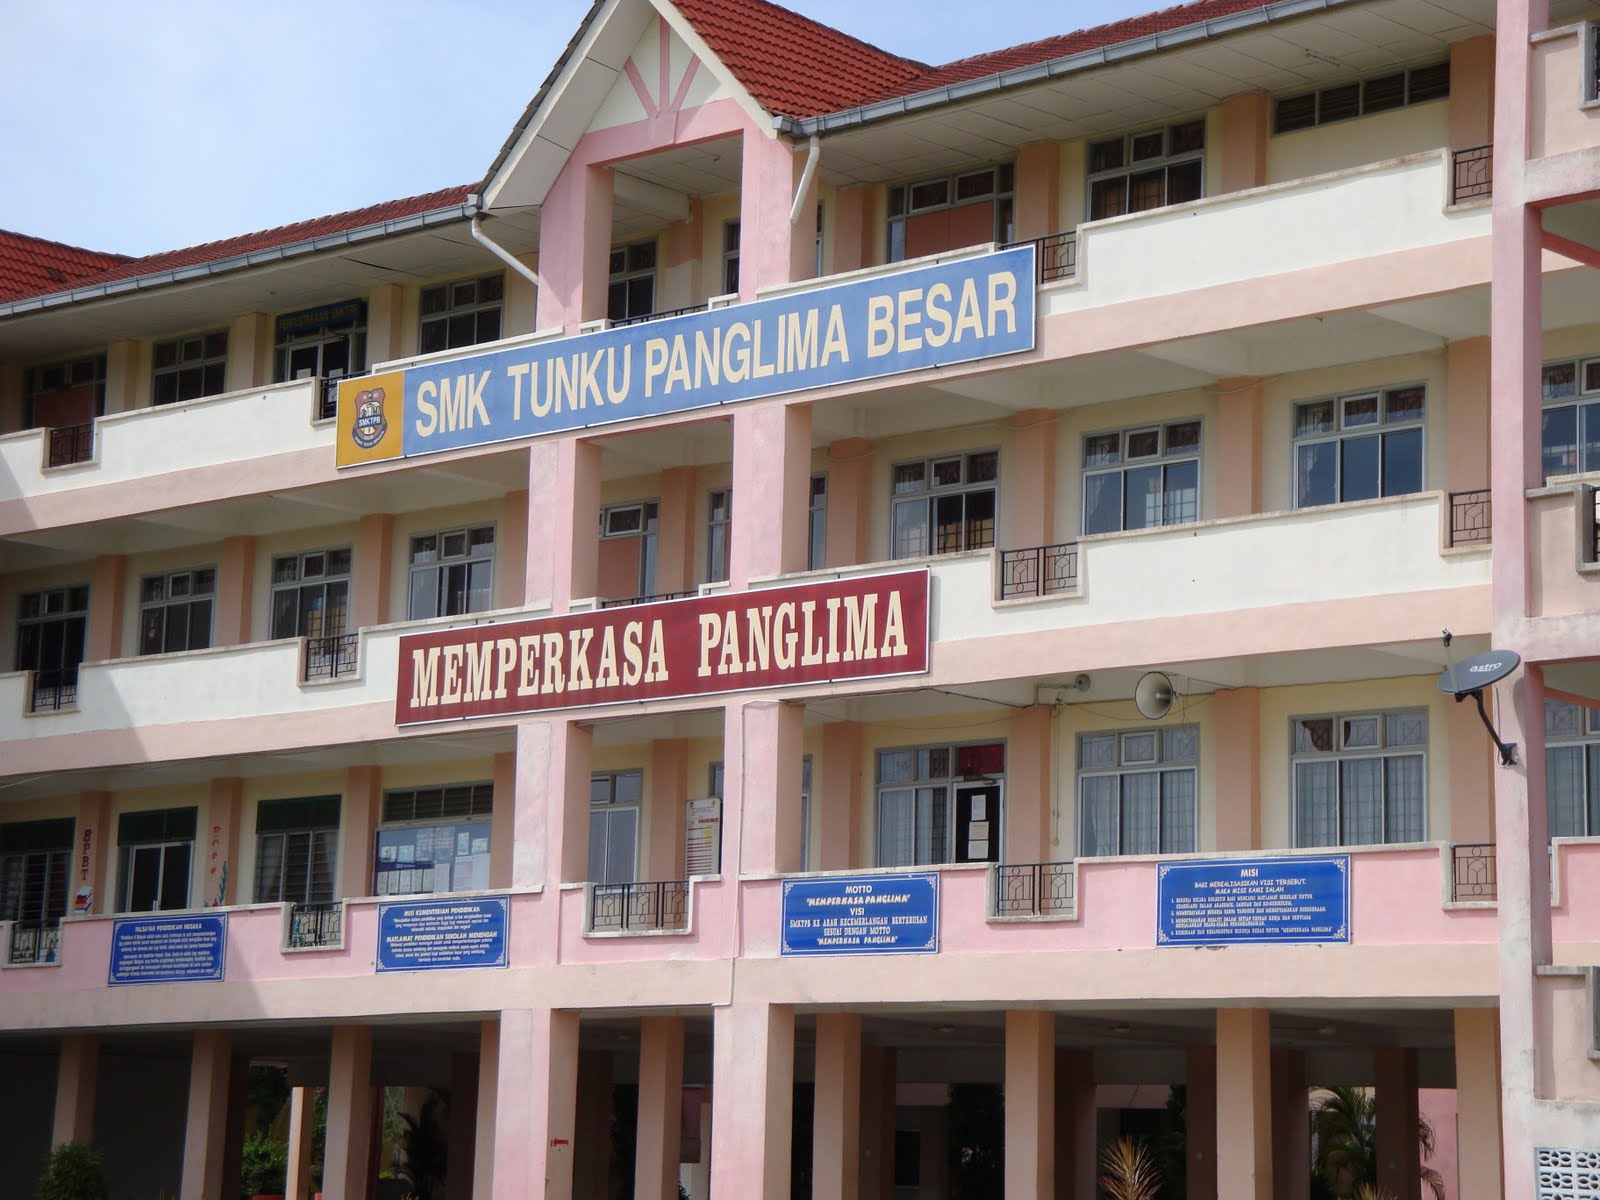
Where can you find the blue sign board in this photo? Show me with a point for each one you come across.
(1221, 902)
(441, 935)
(861, 914)
(168, 949)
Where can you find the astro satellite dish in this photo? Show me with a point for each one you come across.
(1153, 696)
(1470, 676)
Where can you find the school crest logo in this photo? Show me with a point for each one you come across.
(370, 423)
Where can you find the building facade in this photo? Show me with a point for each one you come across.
(825, 592)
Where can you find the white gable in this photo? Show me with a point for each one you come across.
(643, 84)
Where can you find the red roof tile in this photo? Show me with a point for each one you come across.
(30, 265)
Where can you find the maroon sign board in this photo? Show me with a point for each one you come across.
(841, 629)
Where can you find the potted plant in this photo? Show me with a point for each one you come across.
(1129, 1170)
(264, 1167)
(72, 1172)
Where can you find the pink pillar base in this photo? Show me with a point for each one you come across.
(752, 1101)
(660, 1125)
(836, 1130)
(205, 1135)
(1244, 1104)
(76, 1074)
(536, 1104)
(1030, 1105)
(349, 1144)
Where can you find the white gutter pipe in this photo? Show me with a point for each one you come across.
(500, 252)
(813, 153)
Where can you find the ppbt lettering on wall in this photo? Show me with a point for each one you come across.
(841, 629)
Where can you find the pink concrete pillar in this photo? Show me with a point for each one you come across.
(463, 1118)
(752, 1103)
(511, 552)
(235, 578)
(562, 547)
(488, 1091)
(772, 491)
(221, 883)
(836, 798)
(1246, 122)
(103, 639)
(93, 854)
(205, 1134)
(1479, 1164)
(1472, 92)
(122, 372)
(1244, 1104)
(761, 804)
(878, 1077)
(1029, 788)
(77, 1070)
(1291, 1126)
(249, 352)
(536, 1104)
(1467, 421)
(574, 245)
(771, 250)
(363, 800)
(1399, 1157)
(349, 1146)
(852, 245)
(503, 827)
(1472, 758)
(849, 502)
(591, 1143)
(1200, 1079)
(1238, 447)
(1076, 1133)
(551, 820)
(300, 1183)
(374, 560)
(675, 568)
(1238, 714)
(660, 1124)
(233, 1137)
(1038, 204)
(681, 257)
(664, 810)
(836, 1125)
(1030, 1105)
(1030, 506)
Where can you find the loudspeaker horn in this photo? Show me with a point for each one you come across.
(1154, 695)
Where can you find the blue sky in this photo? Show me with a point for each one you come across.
(145, 127)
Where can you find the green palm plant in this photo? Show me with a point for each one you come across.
(1128, 1170)
(1345, 1131)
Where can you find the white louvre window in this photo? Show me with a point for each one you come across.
(1360, 778)
(1137, 791)
(297, 846)
(1379, 93)
(1141, 478)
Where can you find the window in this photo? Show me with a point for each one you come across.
(310, 594)
(939, 804)
(632, 290)
(451, 573)
(1141, 478)
(719, 531)
(817, 525)
(156, 853)
(628, 564)
(327, 343)
(1149, 169)
(950, 212)
(463, 313)
(1572, 768)
(190, 367)
(66, 393)
(614, 825)
(50, 634)
(35, 871)
(944, 505)
(1360, 779)
(1136, 791)
(297, 845)
(1359, 447)
(730, 257)
(434, 840)
(1381, 93)
(175, 611)
(1571, 425)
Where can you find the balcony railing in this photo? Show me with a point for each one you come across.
(71, 444)
(331, 656)
(1472, 875)
(312, 925)
(1033, 889)
(624, 602)
(34, 942)
(1471, 174)
(1057, 255)
(639, 907)
(1470, 517)
(657, 316)
(54, 689)
(1039, 570)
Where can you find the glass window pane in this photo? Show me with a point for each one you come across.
(1361, 801)
(1403, 817)
(175, 877)
(1402, 462)
(1358, 468)
(896, 828)
(1185, 182)
(1357, 733)
(1562, 719)
(910, 529)
(1139, 747)
(1101, 449)
(1177, 812)
(1406, 728)
(1098, 816)
(1097, 751)
(983, 468)
(1108, 198)
(1589, 450)
(597, 846)
(622, 828)
(1560, 439)
(1142, 498)
(630, 785)
(1403, 404)
(980, 520)
(909, 477)
(1315, 807)
(1140, 813)
(1559, 380)
(1181, 743)
(1315, 474)
(1313, 418)
(1359, 411)
(1147, 190)
(1144, 443)
(1181, 500)
(1183, 437)
(1564, 780)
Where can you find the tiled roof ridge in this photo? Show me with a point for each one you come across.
(913, 63)
(110, 255)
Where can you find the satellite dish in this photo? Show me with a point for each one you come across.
(1153, 695)
(1480, 671)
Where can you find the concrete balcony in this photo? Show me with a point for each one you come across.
(1566, 565)
(1565, 115)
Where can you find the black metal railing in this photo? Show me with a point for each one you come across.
(657, 316)
(1594, 525)
(1039, 570)
(625, 601)
(55, 689)
(1033, 889)
(1470, 517)
(34, 942)
(316, 925)
(1471, 174)
(1472, 871)
(1057, 254)
(331, 656)
(71, 444)
(639, 907)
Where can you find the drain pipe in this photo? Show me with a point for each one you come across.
(499, 251)
(813, 153)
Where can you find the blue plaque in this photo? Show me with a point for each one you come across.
(443, 935)
(1279, 901)
(861, 914)
(168, 949)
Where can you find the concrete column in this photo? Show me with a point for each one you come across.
(1291, 1126)
(1029, 789)
(852, 245)
(551, 820)
(1076, 1132)
(1472, 92)
(675, 565)
(502, 830)
(771, 250)
(122, 368)
(772, 491)
(836, 1124)
(1244, 1104)
(511, 552)
(1399, 1156)
(849, 502)
(536, 1103)
(205, 1134)
(1246, 123)
(1200, 1079)
(660, 1124)
(664, 813)
(680, 278)
(94, 850)
(363, 800)
(1472, 758)
(1038, 206)
(231, 625)
(761, 807)
(249, 352)
(103, 639)
(349, 1147)
(77, 1070)
(385, 319)
(300, 1184)
(1238, 787)
(836, 798)
(877, 1122)
(488, 1091)
(591, 1143)
(1238, 443)
(1478, 1164)
(1030, 1105)
(522, 299)
(463, 1119)
(221, 883)
(563, 556)
(374, 560)
(574, 240)
(752, 1100)
(1030, 483)
(233, 1137)
(1466, 427)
